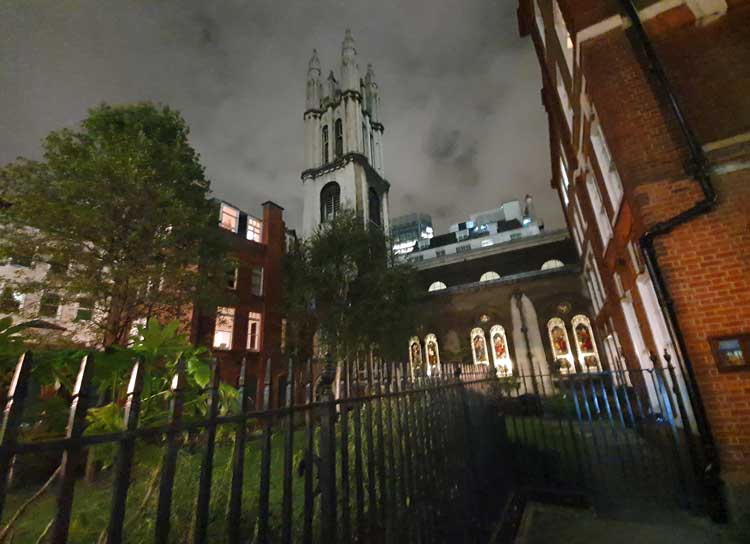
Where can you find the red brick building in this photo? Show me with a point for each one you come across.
(251, 324)
(649, 121)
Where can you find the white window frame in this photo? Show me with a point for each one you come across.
(567, 107)
(607, 166)
(227, 314)
(229, 218)
(539, 19)
(565, 185)
(436, 286)
(563, 35)
(254, 342)
(600, 211)
(254, 229)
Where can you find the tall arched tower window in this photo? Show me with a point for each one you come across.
(330, 199)
(325, 144)
(373, 200)
(339, 134)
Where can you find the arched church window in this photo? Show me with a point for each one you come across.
(552, 263)
(436, 286)
(500, 354)
(489, 276)
(479, 347)
(588, 355)
(339, 135)
(560, 343)
(374, 206)
(415, 357)
(432, 354)
(325, 145)
(364, 139)
(330, 199)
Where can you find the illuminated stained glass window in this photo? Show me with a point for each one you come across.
(479, 347)
(432, 354)
(415, 357)
(588, 355)
(500, 353)
(558, 338)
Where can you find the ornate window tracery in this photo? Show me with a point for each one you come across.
(416, 362)
(330, 201)
(500, 352)
(560, 343)
(432, 355)
(588, 355)
(479, 347)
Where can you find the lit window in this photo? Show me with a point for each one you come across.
(10, 301)
(500, 354)
(84, 311)
(254, 229)
(552, 263)
(565, 185)
(558, 338)
(588, 355)
(415, 357)
(432, 354)
(479, 347)
(230, 218)
(232, 278)
(49, 306)
(253, 331)
(488, 243)
(256, 281)
(489, 276)
(224, 330)
(437, 286)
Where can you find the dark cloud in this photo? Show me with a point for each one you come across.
(465, 128)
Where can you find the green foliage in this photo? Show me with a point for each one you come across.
(344, 283)
(123, 200)
(11, 344)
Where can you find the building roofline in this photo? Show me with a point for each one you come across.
(505, 247)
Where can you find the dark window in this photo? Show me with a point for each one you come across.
(464, 248)
(282, 390)
(364, 139)
(374, 206)
(330, 198)
(339, 133)
(440, 253)
(10, 301)
(256, 281)
(49, 305)
(731, 352)
(232, 278)
(85, 309)
(325, 144)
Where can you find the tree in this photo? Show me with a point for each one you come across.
(344, 284)
(120, 208)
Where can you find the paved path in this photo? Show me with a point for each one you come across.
(546, 524)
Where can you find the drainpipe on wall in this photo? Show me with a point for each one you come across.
(699, 170)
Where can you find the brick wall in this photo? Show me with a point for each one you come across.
(706, 264)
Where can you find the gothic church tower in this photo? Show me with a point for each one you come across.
(343, 144)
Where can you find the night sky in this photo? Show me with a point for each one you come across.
(464, 125)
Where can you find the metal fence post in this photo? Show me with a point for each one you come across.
(19, 389)
(126, 454)
(286, 507)
(204, 485)
(328, 456)
(169, 463)
(73, 455)
(264, 489)
(238, 462)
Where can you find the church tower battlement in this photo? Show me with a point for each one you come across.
(343, 143)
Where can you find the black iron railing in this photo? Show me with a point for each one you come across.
(392, 459)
